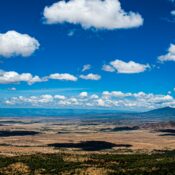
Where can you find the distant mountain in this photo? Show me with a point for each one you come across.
(54, 112)
(166, 111)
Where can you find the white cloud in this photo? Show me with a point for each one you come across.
(64, 76)
(14, 77)
(130, 67)
(11, 77)
(170, 56)
(106, 14)
(90, 77)
(13, 43)
(173, 12)
(118, 94)
(45, 98)
(12, 89)
(101, 103)
(83, 94)
(106, 99)
(71, 33)
(169, 92)
(108, 68)
(86, 67)
(60, 97)
(94, 96)
(33, 100)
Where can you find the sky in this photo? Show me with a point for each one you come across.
(111, 54)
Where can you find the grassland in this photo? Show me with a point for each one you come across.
(157, 163)
(86, 147)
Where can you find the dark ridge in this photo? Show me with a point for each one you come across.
(89, 145)
(17, 133)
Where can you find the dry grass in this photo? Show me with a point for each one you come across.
(16, 169)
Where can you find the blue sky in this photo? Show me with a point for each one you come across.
(60, 41)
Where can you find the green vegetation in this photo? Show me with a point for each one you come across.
(90, 164)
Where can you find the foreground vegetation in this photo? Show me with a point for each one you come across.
(90, 164)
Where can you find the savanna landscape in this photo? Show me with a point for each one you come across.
(75, 145)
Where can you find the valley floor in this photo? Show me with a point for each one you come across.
(86, 147)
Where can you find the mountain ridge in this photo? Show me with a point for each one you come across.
(168, 111)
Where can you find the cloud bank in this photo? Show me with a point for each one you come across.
(14, 77)
(10, 77)
(105, 99)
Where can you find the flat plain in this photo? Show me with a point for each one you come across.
(79, 142)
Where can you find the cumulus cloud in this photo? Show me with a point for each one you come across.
(33, 100)
(118, 94)
(90, 77)
(10, 77)
(64, 76)
(60, 97)
(106, 14)
(130, 67)
(108, 68)
(83, 94)
(86, 67)
(170, 56)
(13, 43)
(94, 96)
(106, 99)
(14, 77)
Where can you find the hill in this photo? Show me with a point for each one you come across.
(166, 111)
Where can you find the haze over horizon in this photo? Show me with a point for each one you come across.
(109, 54)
